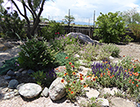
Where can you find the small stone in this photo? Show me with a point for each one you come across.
(20, 70)
(111, 58)
(13, 84)
(45, 92)
(10, 73)
(103, 102)
(24, 72)
(7, 77)
(30, 71)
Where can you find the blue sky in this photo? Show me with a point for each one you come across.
(83, 10)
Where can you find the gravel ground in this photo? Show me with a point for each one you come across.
(132, 49)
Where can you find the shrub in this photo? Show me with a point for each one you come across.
(113, 75)
(110, 26)
(11, 24)
(89, 52)
(11, 64)
(135, 28)
(112, 49)
(36, 55)
(60, 58)
(59, 44)
(53, 30)
(44, 78)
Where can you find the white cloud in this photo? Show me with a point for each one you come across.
(83, 10)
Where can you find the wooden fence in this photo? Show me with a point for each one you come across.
(85, 30)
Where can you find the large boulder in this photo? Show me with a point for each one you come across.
(57, 89)
(83, 38)
(30, 90)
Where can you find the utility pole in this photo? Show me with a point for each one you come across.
(69, 20)
(94, 19)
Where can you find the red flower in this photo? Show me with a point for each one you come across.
(74, 82)
(81, 78)
(133, 82)
(72, 66)
(94, 79)
(62, 80)
(66, 57)
(74, 73)
(65, 74)
(57, 32)
(129, 81)
(70, 63)
(110, 76)
(72, 92)
(137, 85)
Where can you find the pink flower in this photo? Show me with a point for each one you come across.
(57, 32)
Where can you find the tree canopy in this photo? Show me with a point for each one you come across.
(35, 7)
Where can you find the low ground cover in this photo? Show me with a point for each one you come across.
(124, 75)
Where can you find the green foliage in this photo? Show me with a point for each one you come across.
(130, 16)
(69, 19)
(60, 58)
(112, 49)
(36, 55)
(11, 24)
(72, 49)
(135, 28)
(44, 79)
(52, 31)
(11, 64)
(89, 52)
(59, 44)
(110, 26)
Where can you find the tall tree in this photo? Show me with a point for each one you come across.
(1, 7)
(130, 16)
(35, 7)
(69, 19)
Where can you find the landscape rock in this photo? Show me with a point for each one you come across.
(7, 77)
(120, 102)
(8, 45)
(82, 101)
(10, 73)
(30, 90)
(110, 91)
(13, 83)
(83, 38)
(45, 92)
(84, 70)
(90, 93)
(103, 102)
(11, 94)
(30, 71)
(57, 89)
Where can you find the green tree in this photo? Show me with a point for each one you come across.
(11, 24)
(1, 7)
(110, 26)
(130, 16)
(69, 19)
(35, 7)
